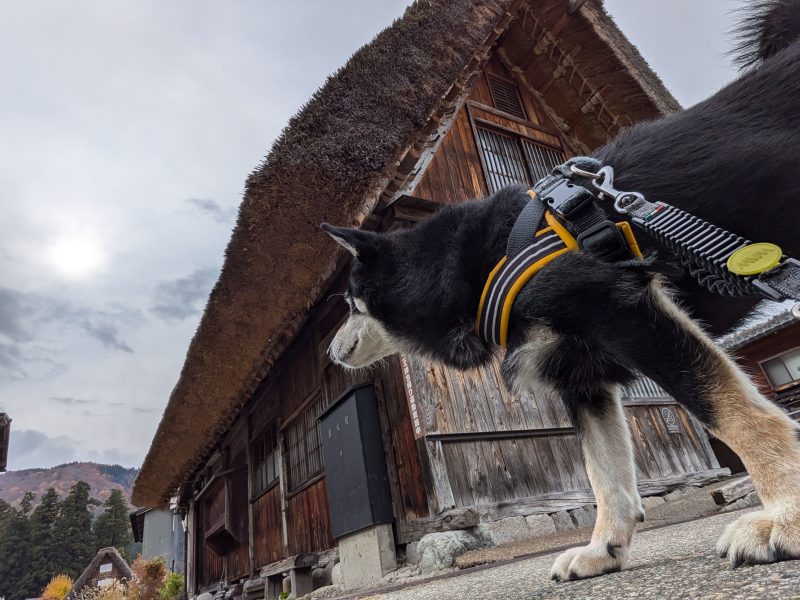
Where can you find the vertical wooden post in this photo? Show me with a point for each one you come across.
(440, 492)
(282, 485)
(191, 550)
(386, 436)
(250, 531)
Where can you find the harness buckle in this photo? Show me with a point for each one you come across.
(567, 198)
(605, 241)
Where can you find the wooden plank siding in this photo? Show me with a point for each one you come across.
(268, 528)
(482, 471)
(307, 518)
(211, 511)
(303, 384)
(661, 454)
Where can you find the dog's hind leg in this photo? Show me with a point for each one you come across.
(683, 360)
(608, 453)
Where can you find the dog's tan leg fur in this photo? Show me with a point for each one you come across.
(608, 453)
(767, 442)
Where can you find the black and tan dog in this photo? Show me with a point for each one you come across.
(583, 326)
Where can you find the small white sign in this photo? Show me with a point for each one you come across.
(408, 379)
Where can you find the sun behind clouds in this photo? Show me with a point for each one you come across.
(77, 257)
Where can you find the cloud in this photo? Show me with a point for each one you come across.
(29, 321)
(67, 401)
(212, 209)
(107, 334)
(181, 298)
(29, 448)
(115, 456)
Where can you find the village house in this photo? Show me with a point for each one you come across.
(161, 533)
(285, 463)
(5, 434)
(106, 568)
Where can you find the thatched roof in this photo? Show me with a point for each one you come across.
(348, 150)
(104, 555)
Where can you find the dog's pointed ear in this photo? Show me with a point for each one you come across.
(364, 245)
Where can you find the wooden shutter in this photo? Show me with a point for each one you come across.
(506, 97)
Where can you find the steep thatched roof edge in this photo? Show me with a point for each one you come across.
(629, 55)
(111, 554)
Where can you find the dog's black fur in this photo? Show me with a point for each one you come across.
(424, 286)
(732, 159)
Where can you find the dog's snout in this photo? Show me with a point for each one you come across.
(338, 353)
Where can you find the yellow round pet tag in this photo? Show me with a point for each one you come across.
(754, 258)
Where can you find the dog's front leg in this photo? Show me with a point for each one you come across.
(608, 453)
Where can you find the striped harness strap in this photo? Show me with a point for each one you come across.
(524, 258)
(516, 269)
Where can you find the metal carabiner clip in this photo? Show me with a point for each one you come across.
(624, 202)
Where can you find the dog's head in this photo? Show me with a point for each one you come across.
(406, 294)
(364, 339)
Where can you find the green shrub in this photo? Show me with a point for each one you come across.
(173, 587)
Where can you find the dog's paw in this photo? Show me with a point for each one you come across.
(761, 537)
(588, 561)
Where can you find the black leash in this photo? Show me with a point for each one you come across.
(723, 262)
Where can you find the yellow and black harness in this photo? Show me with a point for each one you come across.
(528, 254)
(563, 216)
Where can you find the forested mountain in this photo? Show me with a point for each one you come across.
(101, 479)
(58, 536)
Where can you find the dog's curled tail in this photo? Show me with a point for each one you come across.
(765, 28)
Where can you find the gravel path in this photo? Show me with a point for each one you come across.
(672, 562)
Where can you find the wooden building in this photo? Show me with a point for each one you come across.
(5, 434)
(453, 101)
(769, 349)
(106, 567)
(161, 533)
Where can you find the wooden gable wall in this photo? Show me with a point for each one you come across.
(456, 171)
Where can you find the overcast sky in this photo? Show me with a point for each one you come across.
(127, 132)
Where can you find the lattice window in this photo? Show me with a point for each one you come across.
(506, 97)
(264, 452)
(303, 445)
(510, 159)
(541, 159)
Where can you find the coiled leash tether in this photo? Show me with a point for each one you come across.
(721, 261)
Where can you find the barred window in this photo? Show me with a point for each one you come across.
(265, 460)
(510, 159)
(303, 445)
